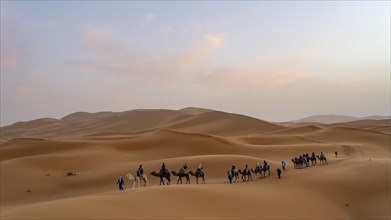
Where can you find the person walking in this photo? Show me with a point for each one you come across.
(120, 183)
(279, 173)
(230, 176)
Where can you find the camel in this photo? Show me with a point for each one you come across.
(180, 175)
(161, 175)
(313, 160)
(322, 158)
(235, 175)
(306, 161)
(264, 169)
(298, 163)
(137, 179)
(197, 174)
(257, 170)
(245, 173)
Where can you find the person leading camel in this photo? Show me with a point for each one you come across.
(279, 173)
(230, 176)
(120, 183)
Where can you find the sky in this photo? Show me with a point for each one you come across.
(273, 60)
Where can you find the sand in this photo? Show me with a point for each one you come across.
(98, 147)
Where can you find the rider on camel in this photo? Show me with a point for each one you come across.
(140, 171)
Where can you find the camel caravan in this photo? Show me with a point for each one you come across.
(234, 175)
(247, 173)
(304, 160)
(164, 174)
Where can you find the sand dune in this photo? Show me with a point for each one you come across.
(37, 156)
(332, 119)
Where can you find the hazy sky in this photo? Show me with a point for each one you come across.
(276, 61)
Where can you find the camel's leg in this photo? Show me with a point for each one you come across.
(134, 184)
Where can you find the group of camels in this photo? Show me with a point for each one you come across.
(165, 174)
(305, 160)
(246, 175)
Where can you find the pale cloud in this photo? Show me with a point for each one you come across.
(16, 29)
(215, 41)
(165, 29)
(257, 75)
(150, 17)
(116, 56)
(187, 65)
(28, 90)
(95, 38)
(36, 25)
(191, 62)
(206, 27)
(10, 59)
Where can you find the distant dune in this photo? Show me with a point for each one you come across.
(332, 119)
(67, 168)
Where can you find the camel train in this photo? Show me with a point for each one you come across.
(304, 160)
(247, 174)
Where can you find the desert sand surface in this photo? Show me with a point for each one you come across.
(98, 147)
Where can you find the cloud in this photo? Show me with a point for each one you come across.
(27, 90)
(150, 17)
(215, 41)
(165, 29)
(190, 62)
(10, 60)
(113, 57)
(116, 56)
(256, 76)
(17, 29)
(95, 38)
